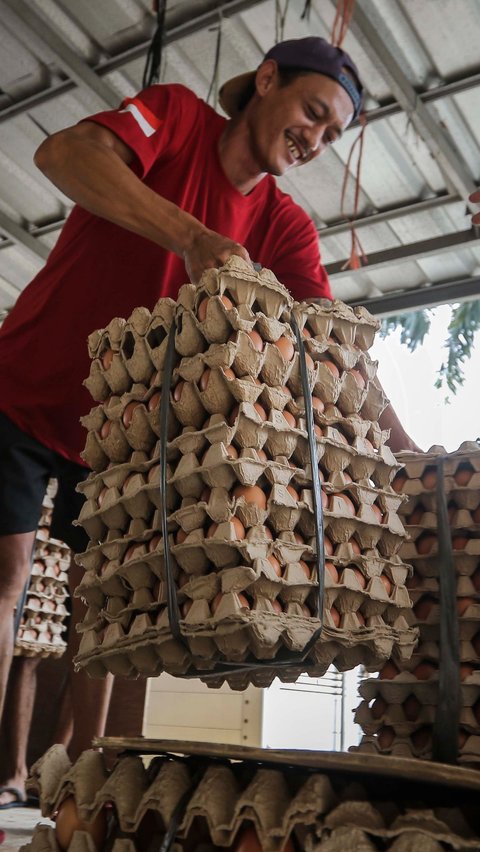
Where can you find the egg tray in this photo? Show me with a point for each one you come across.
(419, 586)
(465, 560)
(463, 498)
(138, 350)
(37, 648)
(220, 797)
(468, 753)
(394, 717)
(416, 463)
(429, 650)
(349, 326)
(396, 690)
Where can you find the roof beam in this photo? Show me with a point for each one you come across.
(402, 301)
(448, 158)
(66, 58)
(411, 251)
(388, 214)
(17, 234)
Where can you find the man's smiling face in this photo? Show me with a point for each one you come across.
(292, 124)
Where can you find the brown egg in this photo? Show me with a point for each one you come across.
(298, 538)
(277, 606)
(212, 530)
(399, 481)
(177, 391)
(309, 362)
(324, 499)
(317, 404)
(360, 578)
(306, 569)
(426, 543)
(361, 618)
(182, 579)
(286, 390)
(202, 308)
(256, 340)
(101, 496)
(152, 473)
(128, 413)
(459, 542)
(205, 495)
(416, 516)
(260, 410)
(463, 604)
(293, 493)
(463, 475)
(238, 528)
(105, 430)
(251, 494)
(204, 379)
(290, 419)
(385, 737)
(268, 533)
(107, 359)
(330, 567)
(355, 546)
(389, 671)
(328, 546)
(180, 536)
(154, 401)
(429, 478)
(186, 607)
(466, 670)
(411, 708)
(386, 582)
(332, 367)
(231, 451)
(422, 738)
(306, 332)
(275, 565)
(262, 455)
(247, 841)
(67, 822)
(286, 348)
(378, 707)
(336, 618)
(424, 606)
(229, 374)
(306, 611)
(378, 512)
(318, 430)
(358, 378)
(349, 504)
(424, 670)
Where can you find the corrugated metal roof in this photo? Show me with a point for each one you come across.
(431, 46)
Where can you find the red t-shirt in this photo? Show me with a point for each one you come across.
(98, 270)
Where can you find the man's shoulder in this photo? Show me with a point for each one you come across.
(284, 204)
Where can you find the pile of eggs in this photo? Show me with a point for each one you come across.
(41, 627)
(239, 499)
(399, 708)
(244, 806)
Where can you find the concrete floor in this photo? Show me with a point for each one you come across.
(18, 825)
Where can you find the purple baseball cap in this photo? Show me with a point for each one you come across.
(312, 54)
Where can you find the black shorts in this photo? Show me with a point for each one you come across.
(25, 468)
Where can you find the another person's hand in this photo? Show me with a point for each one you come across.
(210, 250)
(475, 197)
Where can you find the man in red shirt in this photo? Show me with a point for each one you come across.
(165, 189)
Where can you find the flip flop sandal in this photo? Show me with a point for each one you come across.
(20, 800)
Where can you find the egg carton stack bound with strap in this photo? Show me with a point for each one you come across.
(240, 517)
(399, 709)
(41, 627)
(204, 805)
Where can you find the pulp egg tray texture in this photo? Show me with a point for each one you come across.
(238, 806)
(41, 627)
(400, 719)
(241, 519)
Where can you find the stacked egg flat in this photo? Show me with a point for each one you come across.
(401, 717)
(41, 628)
(242, 805)
(239, 498)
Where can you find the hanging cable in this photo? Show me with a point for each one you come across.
(280, 17)
(341, 21)
(357, 255)
(153, 62)
(216, 67)
(305, 16)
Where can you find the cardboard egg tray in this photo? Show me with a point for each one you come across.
(245, 571)
(321, 801)
(41, 627)
(418, 677)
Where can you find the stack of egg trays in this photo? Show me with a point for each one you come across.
(127, 628)
(41, 628)
(220, 798)
(406, 703)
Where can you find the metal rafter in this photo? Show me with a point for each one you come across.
(411, 251)
(460, 290)
(17, 234)
(448, 158)
(66, 58)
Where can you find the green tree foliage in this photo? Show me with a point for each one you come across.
(464, 322)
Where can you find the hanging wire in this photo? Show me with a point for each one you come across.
(216, 67)
(305, 16)
(341, 21)
(153, 62)
(280, 17)
(357, 255)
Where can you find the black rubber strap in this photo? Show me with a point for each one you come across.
(445, 728)
(286, 658)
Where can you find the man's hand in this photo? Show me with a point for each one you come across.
(475, 197)
(210, 250)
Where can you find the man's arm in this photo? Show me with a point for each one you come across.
(90, 164)
(399, 440)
